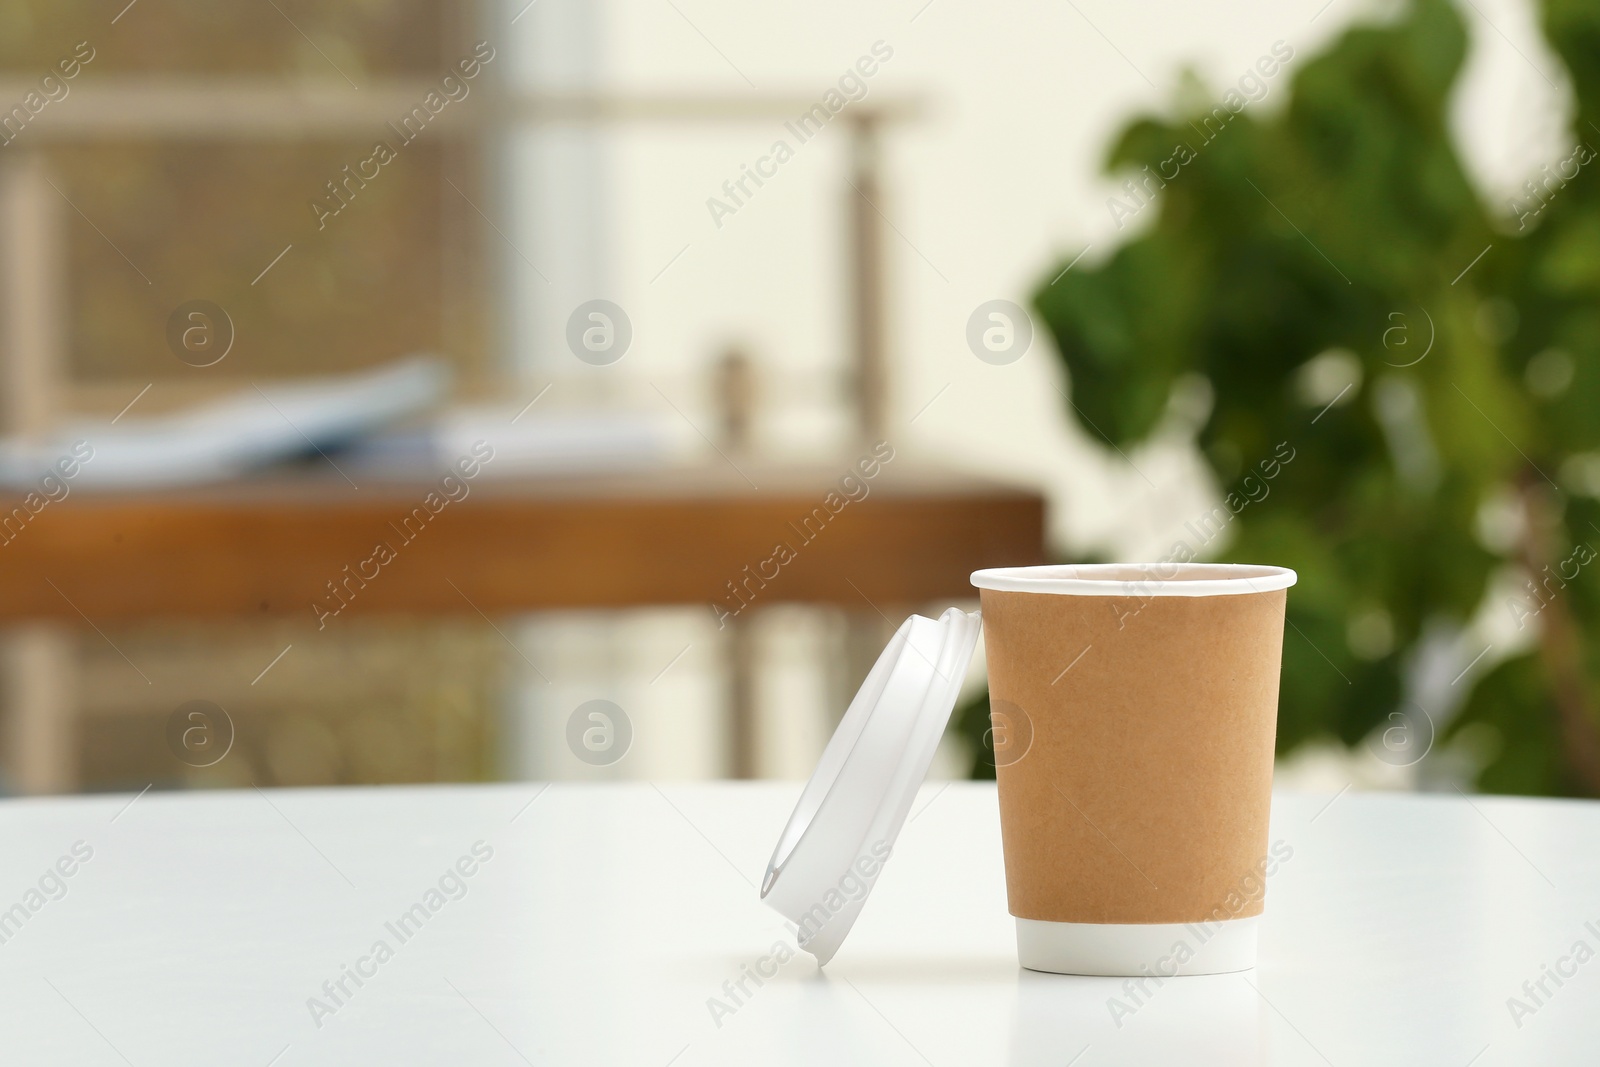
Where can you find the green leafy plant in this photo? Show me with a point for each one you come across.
(1338, 241)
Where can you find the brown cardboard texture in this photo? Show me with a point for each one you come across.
(1134, 750)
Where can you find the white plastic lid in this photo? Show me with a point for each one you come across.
(851, 811)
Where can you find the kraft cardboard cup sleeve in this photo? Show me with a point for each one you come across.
(1135, 712)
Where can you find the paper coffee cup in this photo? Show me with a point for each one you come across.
(1134, 710)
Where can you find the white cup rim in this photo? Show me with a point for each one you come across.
(1137, 579)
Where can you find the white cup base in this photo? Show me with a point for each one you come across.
(1135, 949)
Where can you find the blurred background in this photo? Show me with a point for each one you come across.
(411, 390)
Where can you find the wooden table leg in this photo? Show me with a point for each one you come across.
(743, 742)
(40, 704)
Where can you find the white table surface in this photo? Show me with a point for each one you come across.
(608, 915)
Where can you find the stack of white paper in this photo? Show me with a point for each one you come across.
(257, 426)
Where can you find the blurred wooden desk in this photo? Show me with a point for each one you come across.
(272, 545)
(277, 545)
